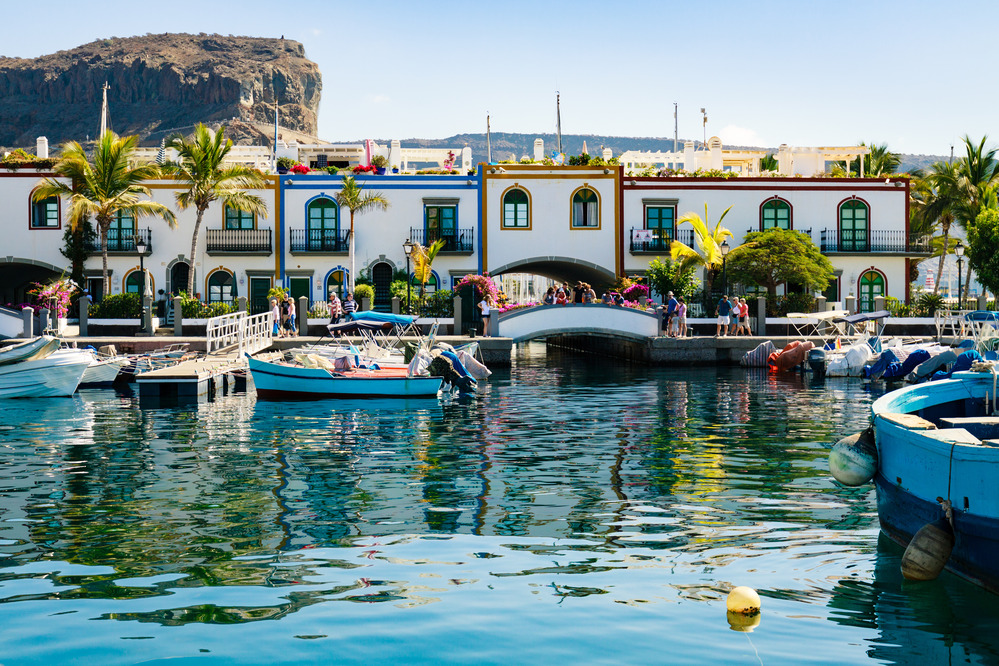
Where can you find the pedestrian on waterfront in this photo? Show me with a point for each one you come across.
(560, 298)
(291, 324)
(671, 304)
(744, 317)
(549, 298)
(336, 310)
(275, 319)
(349, 305)
(485, 307)
(681, 318)
(567, 292)
(577, 293)
(722, 311)
(284, 316)
(607, 299)
(736, 309)
(618, 299)
(591, 295)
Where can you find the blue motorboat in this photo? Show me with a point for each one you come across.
(937, 463)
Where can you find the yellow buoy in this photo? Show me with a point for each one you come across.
(743, 600)
(853, 460)
(927, 553)
(740, 622)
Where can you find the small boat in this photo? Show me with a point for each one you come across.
(101, 371)
(39, 347)
(55, 375)
(935, 467)
(279, 380)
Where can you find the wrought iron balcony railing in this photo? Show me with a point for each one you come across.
(123, 241)
(320, 241)
(660, 239)
(457, 241)
(853, 241)
(238, 241)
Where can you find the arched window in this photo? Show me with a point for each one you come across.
(432, 283)
(336, 281)
(45, 213)
(239, 219)
(121, 233)
(775, 214)
(516, 209)
(585, 209)
(133, 283)
(854, 218)
(221, 287)
(872, 283)
(323, 225)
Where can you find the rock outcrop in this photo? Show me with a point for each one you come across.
(158, 84)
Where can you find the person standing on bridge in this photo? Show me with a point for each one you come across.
(485, 306)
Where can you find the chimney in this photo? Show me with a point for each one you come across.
(42, 148)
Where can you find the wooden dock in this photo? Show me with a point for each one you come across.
(190, 379)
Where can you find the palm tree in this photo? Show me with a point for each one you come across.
(104, 187)
(423, 260)
(355, 200)
(978, 170)
(881, 161)
(708, 252)
(206, 178)
(940, 195)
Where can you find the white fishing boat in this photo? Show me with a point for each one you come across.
(53, 376)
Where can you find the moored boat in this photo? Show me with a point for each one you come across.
(39, 347)
(55, 375)
(935, 470)
(287, 381)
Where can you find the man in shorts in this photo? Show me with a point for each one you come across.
(722, 312)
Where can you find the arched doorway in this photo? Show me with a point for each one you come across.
(179, 275)
(872, 284)
(381, 277)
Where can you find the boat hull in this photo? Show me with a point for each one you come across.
(274, 381)
(51, 377)
(103, 373)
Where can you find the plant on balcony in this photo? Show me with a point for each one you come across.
(285, 163)
(352, 197)
(205, 177)
(117, 306)
(102, 185)
(779, 256)
(379, 162)
(359, 169)
(299, 169)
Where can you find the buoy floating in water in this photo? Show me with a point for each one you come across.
(853, 460)
(926, 555)
(740, 622)
(743, 600)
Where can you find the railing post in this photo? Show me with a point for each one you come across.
(28, 321)
(178, 317)
(241, 305)
(303, 315)
(879, 303)
(457, 316)
(43, 321)
(761, 315)
(365, 304)
(84, 314)
(851, 304)
(982, 301)
(243, 321)
(147, 315)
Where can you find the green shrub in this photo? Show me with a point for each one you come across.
(363, 291)
(117, 306)
(929, 303)
(779, 306)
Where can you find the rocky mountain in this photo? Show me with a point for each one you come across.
(507, 146)
(158, 84)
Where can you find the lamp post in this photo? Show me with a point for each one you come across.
(724, 250)
(959, 251)
(141, 245)
(407, 247)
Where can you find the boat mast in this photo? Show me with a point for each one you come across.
(275, 128)
(104, 112)
(676, 133)
(489, 146)
(558, 121)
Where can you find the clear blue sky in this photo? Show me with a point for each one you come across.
(917, 74)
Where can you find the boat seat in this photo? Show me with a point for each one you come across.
(910, 421)
(982, 427)
(953, 435)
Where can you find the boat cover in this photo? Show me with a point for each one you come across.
(962, 363)
(862, 316)
(851, 363)
(895, 363)
(394, 319)
(757, 358)
(789, 357)
(357, 326)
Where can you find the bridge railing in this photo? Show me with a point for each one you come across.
(589, 318)
(248, 334)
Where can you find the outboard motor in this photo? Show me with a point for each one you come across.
(817, 361)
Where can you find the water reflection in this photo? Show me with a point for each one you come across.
(566, 479)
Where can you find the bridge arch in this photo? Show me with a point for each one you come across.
(19, 274)
(563, 269)
(612, 321)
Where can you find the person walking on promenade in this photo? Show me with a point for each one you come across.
(744, 317)
(291, 324)
(722, 311)
(671, 304)
(336, 310)
(275, 319)
(735, 310)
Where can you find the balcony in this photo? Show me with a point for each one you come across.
(320, 241)
(807, 232)
(660, 241)
(833, 241)
(123, 241)
(238, 241)
(456, 241)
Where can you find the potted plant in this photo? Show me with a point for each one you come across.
(379, 162)
(395, 168)
(284, 163)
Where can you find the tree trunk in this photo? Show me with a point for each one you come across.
(350, 251)
(194, 248)
(943, 255)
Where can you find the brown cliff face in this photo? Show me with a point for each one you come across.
(158, 84)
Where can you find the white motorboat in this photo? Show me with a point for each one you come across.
(39, 347)
(102, 370)
(53, 376)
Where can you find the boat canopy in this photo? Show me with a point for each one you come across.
(355, 327)
(862, 316)
(394, 319)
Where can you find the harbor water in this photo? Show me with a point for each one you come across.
(575, 510)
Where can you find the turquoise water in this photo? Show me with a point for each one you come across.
(575, 510)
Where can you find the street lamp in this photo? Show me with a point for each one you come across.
(141, 245)
(959, 251)
(724, 250)
(407, 247)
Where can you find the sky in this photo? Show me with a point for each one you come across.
(916, 75)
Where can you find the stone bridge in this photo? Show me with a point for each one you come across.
(596, 319)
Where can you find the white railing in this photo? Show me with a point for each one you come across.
(951, 323)
(248, 334)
